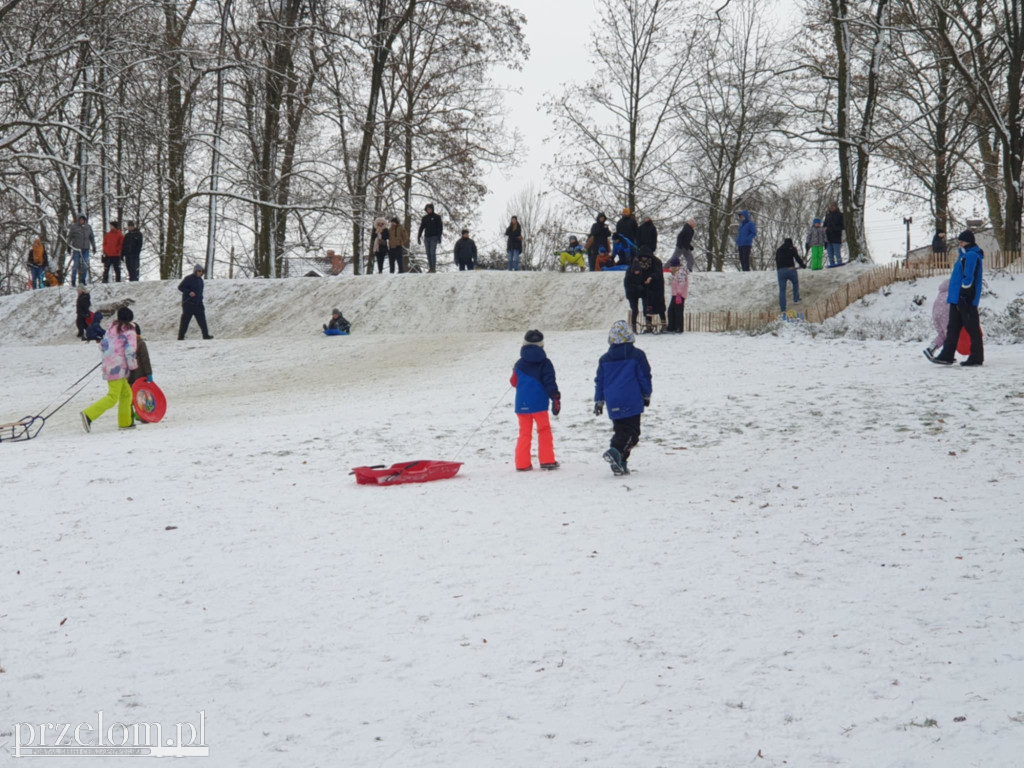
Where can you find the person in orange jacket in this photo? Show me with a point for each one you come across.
(113, 242)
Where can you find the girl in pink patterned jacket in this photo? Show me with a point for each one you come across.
(118, 347)
(679, 283)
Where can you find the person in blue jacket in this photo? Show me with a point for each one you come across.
(623, 384)
(533, 376)
(192, 302)
(745, 239)
(963, 298)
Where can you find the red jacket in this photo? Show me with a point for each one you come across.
(112, 242)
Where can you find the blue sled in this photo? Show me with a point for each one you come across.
(333, 332)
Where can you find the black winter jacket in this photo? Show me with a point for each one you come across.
(431, 226)
(647, 235)
(833, 224)
(627, 226)
(132, 244)
(785, 257)
(191, 284)
(685, 238)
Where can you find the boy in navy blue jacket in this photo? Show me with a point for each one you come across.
(534, 379)
(623, 383)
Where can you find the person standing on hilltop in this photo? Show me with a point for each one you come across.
(113, 241)
(131, 250)
(627, 226)
(834, 232)
(431, 229)
(745, 239)
(598, 239)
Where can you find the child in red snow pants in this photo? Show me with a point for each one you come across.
(545, 445)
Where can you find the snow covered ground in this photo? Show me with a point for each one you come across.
(818, 559)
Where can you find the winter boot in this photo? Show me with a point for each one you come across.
(614, 459)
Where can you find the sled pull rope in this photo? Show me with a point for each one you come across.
(473, 433)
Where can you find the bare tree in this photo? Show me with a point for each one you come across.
(729, 122)
(984, 40)
(613, 130)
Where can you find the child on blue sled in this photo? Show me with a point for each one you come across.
(337, 325)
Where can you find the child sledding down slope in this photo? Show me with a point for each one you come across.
(623, 384)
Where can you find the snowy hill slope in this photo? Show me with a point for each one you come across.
(450, 302)
(817, 561)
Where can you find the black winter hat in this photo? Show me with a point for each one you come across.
(534, 337)
(336, 312)
(125, 315)
(788, 242)
(966, 236)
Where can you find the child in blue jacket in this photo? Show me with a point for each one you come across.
(623, 384)
(534, 379)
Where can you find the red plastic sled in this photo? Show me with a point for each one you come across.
(407, 472)
(149, 401)
(963, 344)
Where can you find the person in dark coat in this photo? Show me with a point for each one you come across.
(514, 243)
(82, 312)
(684, 243)
(633, 283)
(132, 250)
(95, 331)
(647, 235)
(834, 234)
(623, 383)
(939, 247)
(145, 369)
(192, 302)
(786, 259)
(963, 297)
(431, 229)
(599, 238)
(654, 289)
(533, 376)
(465, 252)
(627, 225)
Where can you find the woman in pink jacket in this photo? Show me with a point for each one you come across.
(679, 284)
(118, 347)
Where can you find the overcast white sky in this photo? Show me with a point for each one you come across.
(558, 33)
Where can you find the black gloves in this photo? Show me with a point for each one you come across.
(647, 401)
(599, 407)
(556, 406)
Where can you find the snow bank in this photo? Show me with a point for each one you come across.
(450, 302)
(903, 312)
(818, 559)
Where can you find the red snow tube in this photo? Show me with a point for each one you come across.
(963, 344)
(407, 472)
(149, 401)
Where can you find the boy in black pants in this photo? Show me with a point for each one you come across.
(623, 383)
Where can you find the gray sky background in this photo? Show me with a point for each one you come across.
(558, 35)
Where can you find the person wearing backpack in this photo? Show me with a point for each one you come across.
(37, 263)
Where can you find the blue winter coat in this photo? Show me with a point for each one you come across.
(966, 275)
(623, 381)
(191, 284)
(534, 380)
(747, 231)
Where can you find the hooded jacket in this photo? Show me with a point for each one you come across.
(533, 376)
(118, 346)
(747, 231)
(965, 280)
(191, 284)
(816, 236)
(112, 242)
(647, 235)
(80, 237)
(623, 380)
(600, 232)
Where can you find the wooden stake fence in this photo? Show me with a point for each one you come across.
(870, 282)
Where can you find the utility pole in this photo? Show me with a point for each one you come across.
(907, 221)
